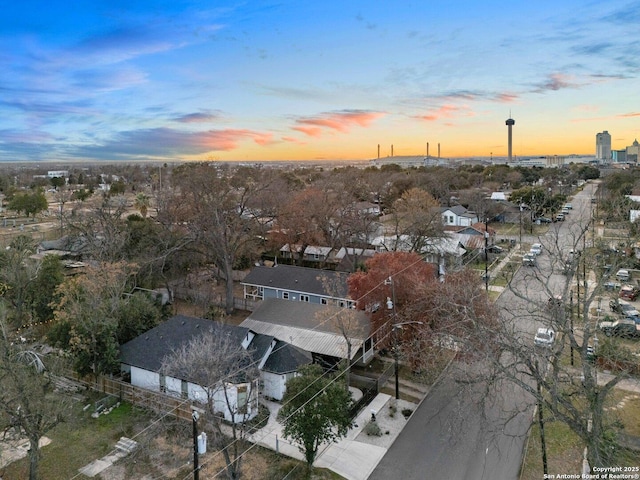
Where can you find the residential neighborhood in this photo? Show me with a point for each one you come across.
(212, 301)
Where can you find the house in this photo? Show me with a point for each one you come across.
(473, 237)
(349, 259)
(141, 361)
(458, 216)
(301, 284)
(498, 196)
(321, 330)
(446, 251)
(314, 254)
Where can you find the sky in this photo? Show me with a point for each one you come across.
(115, 80)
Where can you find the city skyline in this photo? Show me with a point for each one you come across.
(260, 81)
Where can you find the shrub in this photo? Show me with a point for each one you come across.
(372, 429)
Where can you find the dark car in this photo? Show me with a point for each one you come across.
(623, 327)
(623, 308)
(543, 220)
(495, 249)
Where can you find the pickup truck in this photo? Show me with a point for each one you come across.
(623, 327)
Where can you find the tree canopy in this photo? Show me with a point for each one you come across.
(315, 410)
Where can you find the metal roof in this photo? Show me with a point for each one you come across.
(311, 327)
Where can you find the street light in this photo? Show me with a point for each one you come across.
(391, 306)
(396, 354)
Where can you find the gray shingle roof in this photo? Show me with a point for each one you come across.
(149, 349)
(300, 279)
(286, 358)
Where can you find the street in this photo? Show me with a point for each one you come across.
(464, 431)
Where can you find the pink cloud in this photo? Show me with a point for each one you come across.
(228, 139)
(293, 140)
(311, 131)
(338, 121)
(447, 111)
(557, 81)
(627, 115)
(506, 97)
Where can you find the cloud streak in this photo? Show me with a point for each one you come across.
(342, 122)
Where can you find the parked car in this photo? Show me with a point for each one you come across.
(623, 275)
(536, 249)
(622, 327)
(543, 220)
(565, 211)
(623, 308)
(560, 217)
(629, 292)
(544, 337)
(529, 259)
(495, 249)
(568, 206)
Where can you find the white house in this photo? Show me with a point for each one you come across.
(458, 216)
(141, 361)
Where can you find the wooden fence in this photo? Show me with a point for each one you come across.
(141, 397)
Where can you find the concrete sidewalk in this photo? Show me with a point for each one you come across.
(353, 457)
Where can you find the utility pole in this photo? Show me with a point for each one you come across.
(571, 321)
(486, 253)
(196, 468)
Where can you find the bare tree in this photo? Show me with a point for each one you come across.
(27, 399)
(560, 376)
(212, 202)
(228, 377)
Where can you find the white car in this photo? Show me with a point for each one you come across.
(544, 337)
(536, 249)
(623, 275)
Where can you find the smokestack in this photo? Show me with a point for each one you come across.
(378, 151)
(427, 149)
(438, 151)
(392, 149)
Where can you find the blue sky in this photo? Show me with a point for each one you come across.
(194, 80)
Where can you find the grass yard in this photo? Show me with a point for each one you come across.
(79, 441)
(564, 452)
(165, 451)
(564, 449)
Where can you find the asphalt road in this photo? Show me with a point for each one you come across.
(479, 432)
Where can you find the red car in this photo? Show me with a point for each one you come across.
(629, 292)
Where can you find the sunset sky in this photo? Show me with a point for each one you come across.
(262, 80)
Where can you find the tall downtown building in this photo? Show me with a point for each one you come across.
(603, 146)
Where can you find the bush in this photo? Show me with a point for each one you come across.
(372, 429)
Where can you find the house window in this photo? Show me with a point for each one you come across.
(163, 383)
(451, 219)
(242, 399)
(324, 301)
(285, 295)
(341, 303)
(304, 298)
